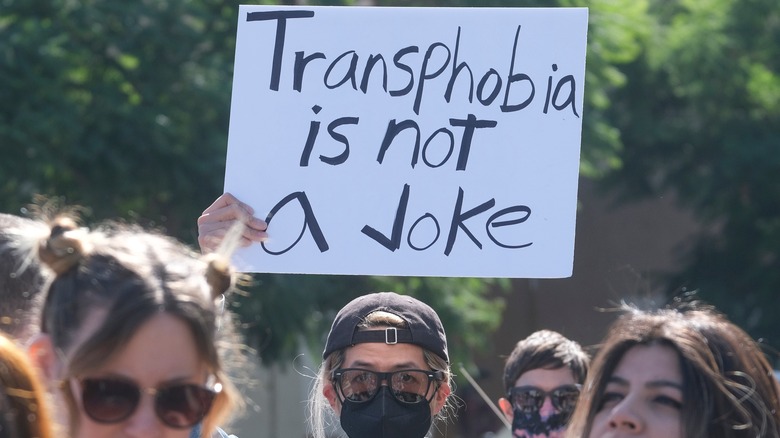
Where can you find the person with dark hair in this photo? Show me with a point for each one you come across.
(542, 381)
(133, 340)
(679, 372)
(385, 370)
(24, 412)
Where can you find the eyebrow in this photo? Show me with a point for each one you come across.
(662, 383)
(120, 376)
(398, 366)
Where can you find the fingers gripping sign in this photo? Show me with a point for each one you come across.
(221, 215)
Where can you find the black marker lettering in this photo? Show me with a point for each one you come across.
(496, 89)
(449, 151)
(424, 75)
(373, 60)
(471, 123)
(281, 18)
(314, 129)
(309, 222)
(341, 138)
(393, 129)
(456, 69)
(516, 77)
(458, 218)
(397, 61)
(300, 65)
(394, 242)
(414, 225)
(349, 75)
(491, 222)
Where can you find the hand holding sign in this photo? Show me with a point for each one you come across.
(221, 216)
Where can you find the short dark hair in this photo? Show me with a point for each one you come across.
(545, 349)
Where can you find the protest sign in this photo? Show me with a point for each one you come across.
(409, 141)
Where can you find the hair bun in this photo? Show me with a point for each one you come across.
(219, 274)
(65, 246)
(62, 224)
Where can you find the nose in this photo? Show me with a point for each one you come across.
(624, 418)
(547, 408)
(144, 422)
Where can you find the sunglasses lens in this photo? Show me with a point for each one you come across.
(183, 406)
(410, 386)
(565, 399)
(528, 399)
(109, 401)
(358, 385)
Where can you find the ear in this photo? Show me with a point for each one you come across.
(506, 408)
(43, 355)
(330, 393)
(440, 398)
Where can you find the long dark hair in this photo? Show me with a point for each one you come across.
(729, 388)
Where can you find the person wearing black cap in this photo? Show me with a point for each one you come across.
(385, 370)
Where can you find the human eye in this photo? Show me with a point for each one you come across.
(610, 399)
(358, 385)
(409, 385)
(409, 377)
(668, 400)
(360, 378)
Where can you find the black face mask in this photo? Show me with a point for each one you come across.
(385, 417)
(528, 424)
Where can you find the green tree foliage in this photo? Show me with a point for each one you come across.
(282, 311)
(700, 116)
(120, 106)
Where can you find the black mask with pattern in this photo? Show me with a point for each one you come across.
(533, 424)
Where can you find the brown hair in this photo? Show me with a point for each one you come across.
(24, 412)
(132, 275)
(729, 388)
(545, 349)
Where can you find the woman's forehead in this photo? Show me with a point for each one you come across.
(384, 357)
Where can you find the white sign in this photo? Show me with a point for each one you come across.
(409, 141)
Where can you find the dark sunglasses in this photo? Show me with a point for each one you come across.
(530, 399)
(179, 406)
(407, 386)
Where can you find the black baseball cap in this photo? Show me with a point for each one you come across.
(424, 326)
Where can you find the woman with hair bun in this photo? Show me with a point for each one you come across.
(132, 336)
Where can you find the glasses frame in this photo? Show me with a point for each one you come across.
(434, 378)
(155, 392)
(552, 394)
